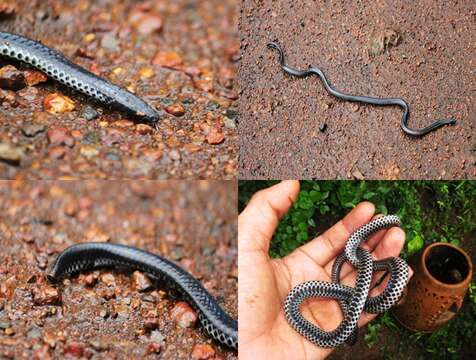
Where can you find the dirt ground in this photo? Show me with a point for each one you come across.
(178, 55)
(102, 314)
(423, 52)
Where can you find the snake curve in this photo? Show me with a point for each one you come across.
(88, 256)
(362, 99)
(352, 300)
(59, 68)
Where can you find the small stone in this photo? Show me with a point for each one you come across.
(146, 72)
(88, 279)
(184, 315)
(322, 127)
(123, 123)
(104, 313)
(89, 113)
(7, 9)
(99, 345)
(34, 77)
(141, 281)
(144, 129)
(9, 331)
(204, 84)
(57, 104)
(202, 352)
(215, 136)
(151, 324)
(89, 151)
(11, 78)
(60, 136)
(152, 155)
(153, 348)
(354, 107)
(45, 295)
(156, 336)
(74, 349)
(175, 109)
(32, 129)
(29, 94)
(148, 23)
(169, 59)
(5, 324)
(108, 279)
(358, 175)
(10, 154)
(229, 123)
(56, 152)
(174, 155)
(33, 333)
(110, 42)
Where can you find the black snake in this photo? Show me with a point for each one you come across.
(56, 66)
(352, 300)
(363, 99)
(87, 256)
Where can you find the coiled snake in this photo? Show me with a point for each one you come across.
(363, 99)
(87, 256)
(352, 300)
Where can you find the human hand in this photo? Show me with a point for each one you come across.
(264, 283)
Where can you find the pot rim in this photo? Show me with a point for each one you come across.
(426, 252)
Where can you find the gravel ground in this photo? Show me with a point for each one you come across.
(104, 314)
(423, 52)
(178, 55)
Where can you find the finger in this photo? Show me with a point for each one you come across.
(327, 246)
(258, 221)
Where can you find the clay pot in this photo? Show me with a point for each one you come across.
(442, 273)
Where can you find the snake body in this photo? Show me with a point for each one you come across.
(59, 68)
(352, 300)
(87, 256)
(362, 99)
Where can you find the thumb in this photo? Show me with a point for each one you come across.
(258, 221)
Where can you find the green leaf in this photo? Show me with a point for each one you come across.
(415, 244)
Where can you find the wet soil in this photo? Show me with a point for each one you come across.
(102, 314)
(421, 52)
(177, 55)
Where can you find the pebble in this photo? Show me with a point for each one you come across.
(151, 324)
(141, 281)
(202, 352)
(229, 123)
(29, 94)
(11, 78)
(215, 136)
(33, 333)
(10, 154)
(89, 113)
(322, 127)
(153, 348)
(169, 59)
(32, 129)
(58, 104)
(89, 151)
(5, 324)
(56, 152)
(175, 109)
(108, 279)
(156, 336)
(34, 77)
(185, 316)
(148, 23)
(45, 295)
(110, 42)
(144, 129)
(74, 349)
(60, 136)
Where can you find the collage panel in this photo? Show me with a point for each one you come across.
(118, 89)
(356, 269)
(118, 270)
(357, 90)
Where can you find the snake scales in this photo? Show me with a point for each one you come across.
(59, 68)
(352, 300)
(363, 99)
(87, 256)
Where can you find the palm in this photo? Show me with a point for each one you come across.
(264, 283)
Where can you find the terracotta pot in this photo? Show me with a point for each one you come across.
(442, 273)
